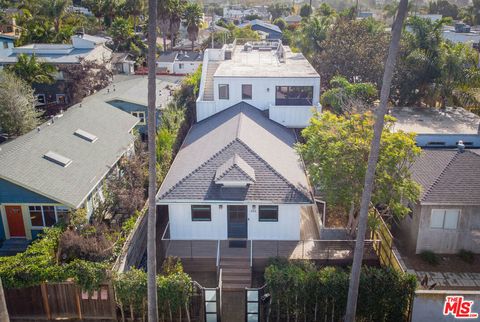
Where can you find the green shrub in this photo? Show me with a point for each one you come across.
(466, 256)
(302, 292)
(430, 257)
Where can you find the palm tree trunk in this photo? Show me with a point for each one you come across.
(372, 162)
(152, 173)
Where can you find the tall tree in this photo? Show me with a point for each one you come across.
(192, 21)
(55, 10)
(17, 106)
(372, 161)
(163, 19)
(134, 8)
(32, 70)
(152, 164)
(177, 8)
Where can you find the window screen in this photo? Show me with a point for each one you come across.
(268, 213)
(201, 213)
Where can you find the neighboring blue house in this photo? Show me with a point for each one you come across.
(60, 166)
(258, 25)
(138, 110)
(6, 43)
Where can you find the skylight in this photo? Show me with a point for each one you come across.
(85, 135)
(57, 158)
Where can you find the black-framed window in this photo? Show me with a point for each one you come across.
(246, 91)
(294, 95)
(223, 92)
(201, 213)
(268, 213)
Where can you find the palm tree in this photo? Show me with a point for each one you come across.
(193, 19)
(134, 8)
(177, 7)
(32, 70)
(55, 10)
(152, 163)
(372, 161)
(164, 14)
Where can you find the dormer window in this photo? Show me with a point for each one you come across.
(235, 172)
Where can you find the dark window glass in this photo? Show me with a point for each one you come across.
(36, 216)
(246, 92)
(294, 95)
(201, 213)
(268, 213)
(49, 214)
(223, 92)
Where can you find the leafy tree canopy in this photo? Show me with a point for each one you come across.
(18, 114)
(336, 151)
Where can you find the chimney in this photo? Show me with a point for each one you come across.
(461, 146)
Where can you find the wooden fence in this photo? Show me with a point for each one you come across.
(386, 251)
(65, 300)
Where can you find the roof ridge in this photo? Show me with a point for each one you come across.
(270, 167)
(427, 191)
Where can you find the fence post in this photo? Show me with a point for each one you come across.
(303, 249)
(113, 304)
(77, 302)
(46, 305)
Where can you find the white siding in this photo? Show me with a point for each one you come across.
(187, 67)
(263, 90)
(182, 227)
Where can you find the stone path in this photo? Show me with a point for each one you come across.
(444, 279)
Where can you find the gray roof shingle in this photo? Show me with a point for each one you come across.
(235, 169)
(448, 176)
(242, 130)
(22, 160)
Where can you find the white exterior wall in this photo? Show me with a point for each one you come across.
(183, 228)
(187, 68)
(167, 65)
(263, 90)
(263, 98)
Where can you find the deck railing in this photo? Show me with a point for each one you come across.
(261, 249)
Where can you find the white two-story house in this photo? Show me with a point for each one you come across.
(266, 75)
(237, 187)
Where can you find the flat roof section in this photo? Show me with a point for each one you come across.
(428, 120)
(259, 63)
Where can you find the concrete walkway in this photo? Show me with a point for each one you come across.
(449, 280)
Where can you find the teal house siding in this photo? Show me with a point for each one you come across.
(12, 193)
(132, 107)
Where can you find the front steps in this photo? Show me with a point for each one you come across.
(236, 273)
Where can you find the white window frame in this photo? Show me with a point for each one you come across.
(44, 99)
(140, 115)
(43, 215)
(445, 213)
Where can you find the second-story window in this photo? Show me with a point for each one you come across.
(246, 91)
(294, 95)
(223, 92)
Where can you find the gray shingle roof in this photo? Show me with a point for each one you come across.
(22, 160)
(448, 176)
(235, 169)
(264, 145)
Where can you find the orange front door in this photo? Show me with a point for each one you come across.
(15, 221)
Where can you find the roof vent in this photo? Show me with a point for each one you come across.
(57, 158)
(85, 135)
(461, 146)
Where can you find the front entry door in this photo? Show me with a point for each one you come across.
(15, 221)
(237, 222)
